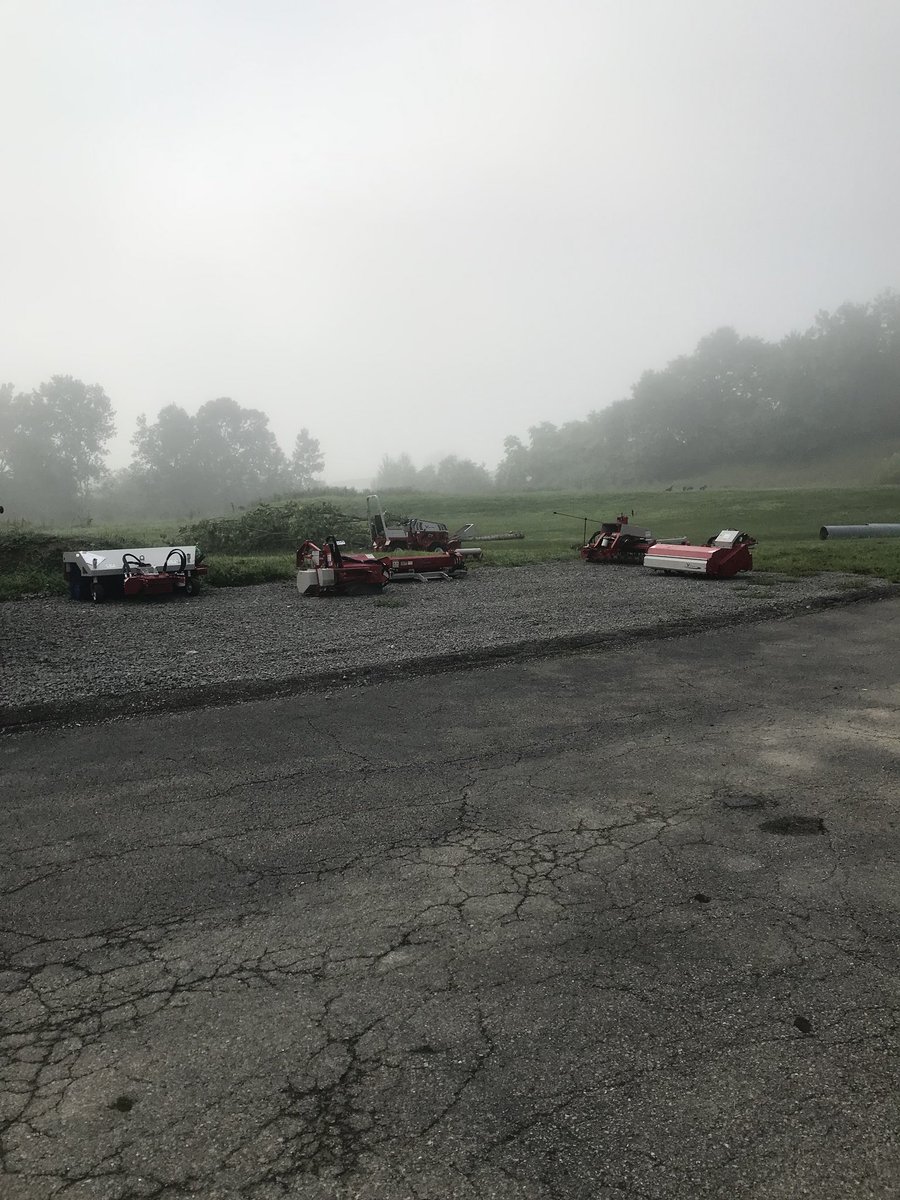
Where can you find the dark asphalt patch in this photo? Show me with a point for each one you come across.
(794, 826)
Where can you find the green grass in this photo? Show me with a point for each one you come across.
(786, 522)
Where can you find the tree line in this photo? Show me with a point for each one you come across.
(452, 476)
(734, 400)
(224, 456)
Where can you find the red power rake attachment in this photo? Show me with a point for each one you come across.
(723, 556)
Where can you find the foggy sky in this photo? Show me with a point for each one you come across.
(420, 225)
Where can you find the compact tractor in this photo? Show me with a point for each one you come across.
(98, 575)
(412, 533)
(328, 570)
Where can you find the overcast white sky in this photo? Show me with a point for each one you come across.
(420, 225)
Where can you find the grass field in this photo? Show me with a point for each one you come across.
(786, 522)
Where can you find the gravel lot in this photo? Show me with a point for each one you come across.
(245, 640)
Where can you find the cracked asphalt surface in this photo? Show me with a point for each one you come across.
(620, 924)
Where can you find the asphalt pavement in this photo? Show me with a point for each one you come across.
(613, 924)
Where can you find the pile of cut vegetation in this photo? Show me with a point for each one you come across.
(277, 526)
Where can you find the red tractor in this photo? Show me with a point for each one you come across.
(411, 533)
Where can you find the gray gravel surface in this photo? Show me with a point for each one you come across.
(57, 652)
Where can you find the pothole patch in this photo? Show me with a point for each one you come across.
(794, 825)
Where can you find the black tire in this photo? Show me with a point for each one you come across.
(79, 587)
(191, 586)
(98, 591)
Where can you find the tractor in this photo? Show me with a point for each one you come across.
(411, 533)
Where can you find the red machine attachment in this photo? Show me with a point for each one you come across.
(618, 542)
(722, 556)
(422, 567)
(143, 579)
(98, 575)
(326, 570)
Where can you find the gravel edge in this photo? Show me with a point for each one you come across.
(97, 710)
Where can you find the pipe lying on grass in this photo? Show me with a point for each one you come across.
(858, 531)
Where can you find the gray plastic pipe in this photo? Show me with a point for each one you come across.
(857, 531)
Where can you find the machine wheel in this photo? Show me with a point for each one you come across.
(435, 548)
(98, 591)
(79, 587)
(191, 586)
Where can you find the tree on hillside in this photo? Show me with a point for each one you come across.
(462, 476)
(397, 472)
(733, 400)
(6, 432)
(52, 443)
(306, 461)
(222, 457)
(238, 452)
(451, 474)
(514, 470)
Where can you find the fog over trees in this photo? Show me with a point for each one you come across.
(52, 443)
(224, 456)
(733, 400)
